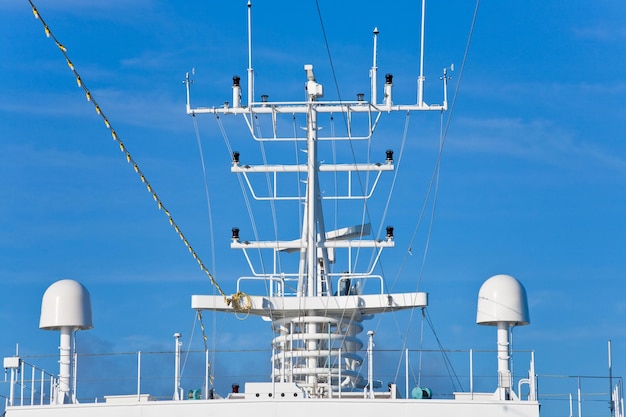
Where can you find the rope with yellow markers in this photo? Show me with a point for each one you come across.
(206, 346)
(239, 301)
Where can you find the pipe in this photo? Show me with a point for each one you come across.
(177, 368)
(370, 363)
(65, 365)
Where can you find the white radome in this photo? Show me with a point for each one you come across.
(66, 303)
(502, 299)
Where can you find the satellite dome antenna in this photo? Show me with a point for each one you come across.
(502, 302)
(65, 306)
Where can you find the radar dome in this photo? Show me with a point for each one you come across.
(66, 303)
(502, 299)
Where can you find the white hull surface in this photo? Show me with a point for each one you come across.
(284, 408)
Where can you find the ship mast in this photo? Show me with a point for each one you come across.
(316, 313)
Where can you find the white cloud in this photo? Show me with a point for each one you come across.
(602, 33)
(534, 139)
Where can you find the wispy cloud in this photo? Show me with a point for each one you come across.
(539, 140)
(150, 59)
(119, 105)
(601, 33)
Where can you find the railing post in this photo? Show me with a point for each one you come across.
(22, 384)
(206, 373)
(32, 385)
(406, 373)
(580, 405)
(139, 376)
(43, 376)
(471, 372)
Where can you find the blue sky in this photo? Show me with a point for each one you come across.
(532, 177)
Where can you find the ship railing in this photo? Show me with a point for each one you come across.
(581, 395)
(283, 284)
(27, 384)
(146, 376)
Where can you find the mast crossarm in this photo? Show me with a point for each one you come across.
(321, 107)
(303, 168)
(285, 245)
(276, 307)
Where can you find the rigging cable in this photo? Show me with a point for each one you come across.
(246, 199)
(206, 190)
(434, 184)
(298, 174)
(272, 205)
(188, 350)
(366, 212)
(235, 300)
(453, 376)
(212, 239)
(363, 189)
(335, 176)
(444, 134)
(332, 68)
(275, 256)
(423, 262)
(206, 348)
(395, 176)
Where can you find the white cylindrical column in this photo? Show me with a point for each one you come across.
(370, 364)
(504, 373)
(236, 92)
(177, 367)
(65, 365)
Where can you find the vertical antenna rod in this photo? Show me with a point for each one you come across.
(420, 85)
(374, 67)
(250, 70)
(187, 83)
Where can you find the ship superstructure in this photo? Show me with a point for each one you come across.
(315, 296)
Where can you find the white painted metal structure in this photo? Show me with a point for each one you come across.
(502, 302)
(316, 349)
(66, 306)
(316, 344)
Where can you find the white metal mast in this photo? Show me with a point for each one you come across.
(316, 326)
